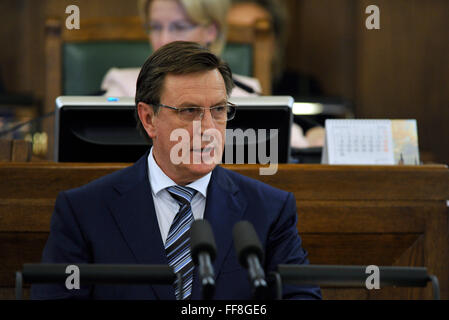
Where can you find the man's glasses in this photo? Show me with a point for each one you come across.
(221, 113)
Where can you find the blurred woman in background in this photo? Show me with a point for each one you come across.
(202, 21)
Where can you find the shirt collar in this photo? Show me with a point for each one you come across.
(160, 181)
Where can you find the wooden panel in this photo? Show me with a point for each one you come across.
(399, 71)
(364, 216)
(382, 294)
(373, 182)
(21, 150)
(130, 28)
(53, 79)
(28, 182)
(5, 149)
(17, 249)
(322, 43)
(413, 256)
(332, 182)
(348, 217)
(15, 150)
(437, 237)
(359, 215)
(9, 294)
(107, 29)
(403, 69)
(356, 249)
(26, 215)
(9, 15)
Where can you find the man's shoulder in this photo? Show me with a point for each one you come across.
(122, 178)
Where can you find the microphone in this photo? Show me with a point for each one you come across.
(250, 255)
(204, 250)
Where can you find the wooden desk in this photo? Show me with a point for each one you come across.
(383, 215)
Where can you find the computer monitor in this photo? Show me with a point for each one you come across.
(103, 129)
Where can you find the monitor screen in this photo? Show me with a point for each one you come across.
(103, 129)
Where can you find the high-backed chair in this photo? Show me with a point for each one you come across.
(77, 60)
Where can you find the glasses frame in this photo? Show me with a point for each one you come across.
(203, 109)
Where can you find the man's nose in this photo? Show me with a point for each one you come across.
(207, 121)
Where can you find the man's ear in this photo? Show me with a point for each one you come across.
(146, 116)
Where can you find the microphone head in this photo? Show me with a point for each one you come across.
(202, 240)
(246, 242)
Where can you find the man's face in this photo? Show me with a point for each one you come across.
(204, 89)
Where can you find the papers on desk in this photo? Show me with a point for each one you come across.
(370, 142)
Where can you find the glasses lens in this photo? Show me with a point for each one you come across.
(219, 113)
(230, 112)
(189, 114)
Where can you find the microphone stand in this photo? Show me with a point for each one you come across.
(208, 281)
(257, 276)
(96, 274)
(354, 276)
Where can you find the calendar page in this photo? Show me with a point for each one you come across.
(405, 141)
(358, 142)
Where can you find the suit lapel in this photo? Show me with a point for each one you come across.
(224, 207)
(135, 215)
(136, 218)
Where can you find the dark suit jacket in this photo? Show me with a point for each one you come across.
(112, 220)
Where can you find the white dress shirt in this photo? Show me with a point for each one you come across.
(166, 206)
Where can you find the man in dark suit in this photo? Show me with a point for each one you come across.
(142, 214)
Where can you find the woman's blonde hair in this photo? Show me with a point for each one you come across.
(201, 12)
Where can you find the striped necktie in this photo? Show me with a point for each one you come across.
(177, 245)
